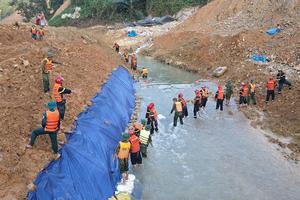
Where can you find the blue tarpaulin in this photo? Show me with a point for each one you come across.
(86, 169)
(273, 31)
(259, 58)
(132, 34)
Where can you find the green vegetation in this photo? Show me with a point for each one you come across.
(5, 8)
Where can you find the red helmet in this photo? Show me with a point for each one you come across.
(131, 132)
(151, 105)
(180, 95)
(59, 79)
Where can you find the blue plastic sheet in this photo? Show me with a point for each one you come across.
(273, 31)
(86, 169)
(259, 58)
(132, 34)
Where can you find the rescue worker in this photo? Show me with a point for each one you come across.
(145, 138)
(219, 98)
(197, 103)
(243, 94)
(184, 105)
(251, 93)
(177, 107)
(204, 96)
(116, 47)
(33, 32)
(281, 78)
(40, 33)
(58, 92)
(144, 72)
(228, 91)
(126, 56)
(137, 128)
(46, 69)
(135, 153)
(151, 116)
(50, 126)
(133, 62)
(122, 152)
(271, 85)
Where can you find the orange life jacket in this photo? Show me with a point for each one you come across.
(48, 65)
(41, 32)
(178, 106)
(154, 113)
(33, 30)
(126, 55)
(135, 143)
(244, 91)
(182, 101)
(220, 95)
(124, 150)
(52, 121)
(271, 85)
(252, 88)
(57, 96)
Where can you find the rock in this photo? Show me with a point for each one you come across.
(31, 187)
(26, 63)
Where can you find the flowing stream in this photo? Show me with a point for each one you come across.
(217, 156)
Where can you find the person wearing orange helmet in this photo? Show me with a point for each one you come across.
(271, 85)
(135, 153)
(58, 92)
(219, 98)
(184, 105)
(197, 103)
(204, 96)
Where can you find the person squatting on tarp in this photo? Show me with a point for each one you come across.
(184, 105)
(251, 93)
(122, 152)
(219, 98)
(145, 138)
(243, 94)
(204, 96)
(177, 107)
(46, 67)
(228, 91)
(58, 92)
(271, 85)
(50, 126)
(197, 103)
(151, 116)
(281, 78)
(135, 153)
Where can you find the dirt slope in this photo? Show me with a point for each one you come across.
(227, 33)
(86, 63)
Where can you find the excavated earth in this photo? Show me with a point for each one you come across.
(215, 36)
(87, 61)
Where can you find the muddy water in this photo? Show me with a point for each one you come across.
(218, 156)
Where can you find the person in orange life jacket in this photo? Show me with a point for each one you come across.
(219, 98)
(126, 55)
(184, 105)
(243, 94)
(40, 33)
(46, 67)
(251, 93)
(133, 62)
(151, 116)
(204, 96)
(122, 152)
(177, 107)
(33, 32)
(197, 103)
(50, 126)
(271, 85)
(117, 47)
(135, 154)
(58, 92)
